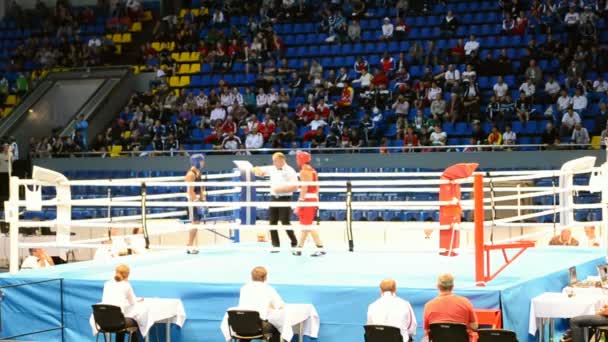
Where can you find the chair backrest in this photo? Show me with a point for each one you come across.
(448, 332)
(496, 335)
(244, 322)
(109, 318)
(382, 333)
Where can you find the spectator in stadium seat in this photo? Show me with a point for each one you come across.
(580, 136)
(569, 120)
(564, 101)
(354, 31)
(602, 115)
(402, 7)
(521, 23)
(231, 142)
(457, 52)
(332, 140)
(509, 137)
(449, 24)
(508, 24)
(471, 100)
(529, 89)
(314, 125)
(218, 115)
(361, 65)
(254, 139)
(533, 72)
(523, 107)
(471, 46)
(564, 238)
(495, 137)
(438, 110)
(552, 90)
(501, 89)
(573, 74)
(438, 136)
(390, 310)
(387, 29)
(579, 101)
(287, 130)
(448, 307)
(317, 139)
(431, 55)
(410, 138)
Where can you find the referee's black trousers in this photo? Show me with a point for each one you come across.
(276, 214)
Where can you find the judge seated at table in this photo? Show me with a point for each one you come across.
(258, 296)
(579, 323)
(392, 311)
(592, 240)
(564, 239)
(448, 307)
(118, 292)
(38, 258)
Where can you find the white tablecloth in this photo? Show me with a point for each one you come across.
(286, 320)
(23, 252)
(151, 311)
(559, 305)
(588, 291)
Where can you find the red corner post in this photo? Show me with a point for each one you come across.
(480, 278)
(450, 214)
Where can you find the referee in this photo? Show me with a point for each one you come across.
(283, 182)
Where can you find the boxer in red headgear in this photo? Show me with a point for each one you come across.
(308, 193)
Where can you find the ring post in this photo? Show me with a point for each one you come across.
(479, 238)
(247, 214)
(12, 216)
(349, 216)
(144, 224)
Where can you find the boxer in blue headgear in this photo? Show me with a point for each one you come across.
(195, 194)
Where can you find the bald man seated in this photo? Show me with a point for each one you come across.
(448, 307)
(392, 311)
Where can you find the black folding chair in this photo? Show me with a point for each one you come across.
(244, 324)
(448, 332)
(382, 333)
(496, 335)
(109, 319)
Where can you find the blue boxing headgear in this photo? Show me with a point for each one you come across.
(196, 160)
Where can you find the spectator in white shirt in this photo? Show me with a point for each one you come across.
(572, 18)
(392, 311)
(452, 77)
(600, 85)
(254, 139)
(509, 137)
(37, 259)
(365, 79)
(438, 137)
(317, 122)
(501, 89)
(231, 142)
(528, 88)
(552, 89)
(472, 45)
(401, 106)
(563, 101)
(580, 135)
(579, 101)
(258, 296)
(218, 114)
(569, 120)
(387, 29)
(118, 292)
(261, 100)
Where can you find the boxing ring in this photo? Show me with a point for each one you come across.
(492, 268)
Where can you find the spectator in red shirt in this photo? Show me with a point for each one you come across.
(380, 80)
(214, 138)
(228, 126)
(360, 65)
(323, 109)
(521, 24)
(449, 308)
(458, 52)
(267, 127)
(387, 63)
(410, 138)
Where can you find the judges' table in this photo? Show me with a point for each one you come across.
(304, 317)
(151, 311)
(551, 305)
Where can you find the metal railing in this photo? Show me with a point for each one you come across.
(386, 149)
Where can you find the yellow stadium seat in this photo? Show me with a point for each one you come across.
(170, 46)
(194, 56)
(147, 16)
(115, 151)
(195, 68)
(182, 13)
(195, 12)
(596, 142)
(6, 111)
(184, 57)
(11, 100)
(126, 134)
(156, 46)
(126, 38)
(118, 49)
(174, 81)
(136, 27)
(184, 81)
(184, 69)
(109, 36)
(117, 38)
(175, 55)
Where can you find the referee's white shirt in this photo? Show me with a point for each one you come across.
(279, 177)
(393, 311)
(259, 296)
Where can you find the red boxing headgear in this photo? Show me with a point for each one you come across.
(303, 158)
